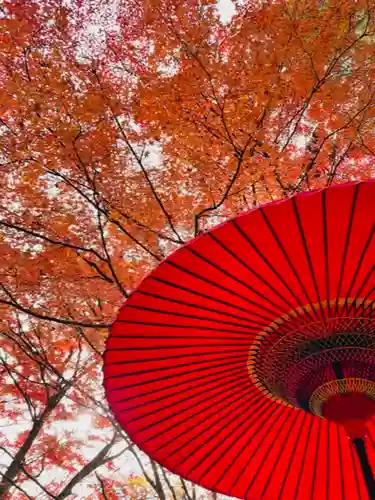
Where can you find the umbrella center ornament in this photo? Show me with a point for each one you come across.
(326, 367)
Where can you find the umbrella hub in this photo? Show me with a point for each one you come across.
(326, 368)
(352, 410)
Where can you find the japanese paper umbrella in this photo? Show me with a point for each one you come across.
(245, 361)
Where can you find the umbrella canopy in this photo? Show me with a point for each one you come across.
(245, 361)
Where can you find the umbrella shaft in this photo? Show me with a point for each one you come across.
(366, 467)
(337, 368)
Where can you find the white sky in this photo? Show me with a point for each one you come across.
(226, 9)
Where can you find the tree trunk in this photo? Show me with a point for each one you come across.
(16, 465)
(98, 460)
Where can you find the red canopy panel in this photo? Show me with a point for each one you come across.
(178, 363)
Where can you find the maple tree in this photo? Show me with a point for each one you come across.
(119, 147)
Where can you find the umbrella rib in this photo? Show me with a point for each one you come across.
(240, 452)
(232, 381)
(166, 377)
(184, 315)
(231, 463)
(358, 294)
(281, 451)
(244, 337)
(287, 258)
(233, 277)
(237, 371)
(253, 415)
(368, 309)
(307, 253)
(328, 463)
(303, 459)
(225, 289)
(196, 306)
(175, 356)
(250, 269)
(269, 264)
(347, 241)
(172, 325)
(210, 297)
(241, 392)
(370, 306)
(227, 385)
(316, 460)
(167, 358)
(355, 468)
(342, 476)
(326, 254)
(239, 343)
(360, 262)
(214, 413)
(292, 455)
(266, 454)
(254, 453)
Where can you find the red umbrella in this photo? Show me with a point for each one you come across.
(245, 361)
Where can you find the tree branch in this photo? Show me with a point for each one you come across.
(14, 303)
(88, 469)
(140, 163)
(19, 458)
(215, 206)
